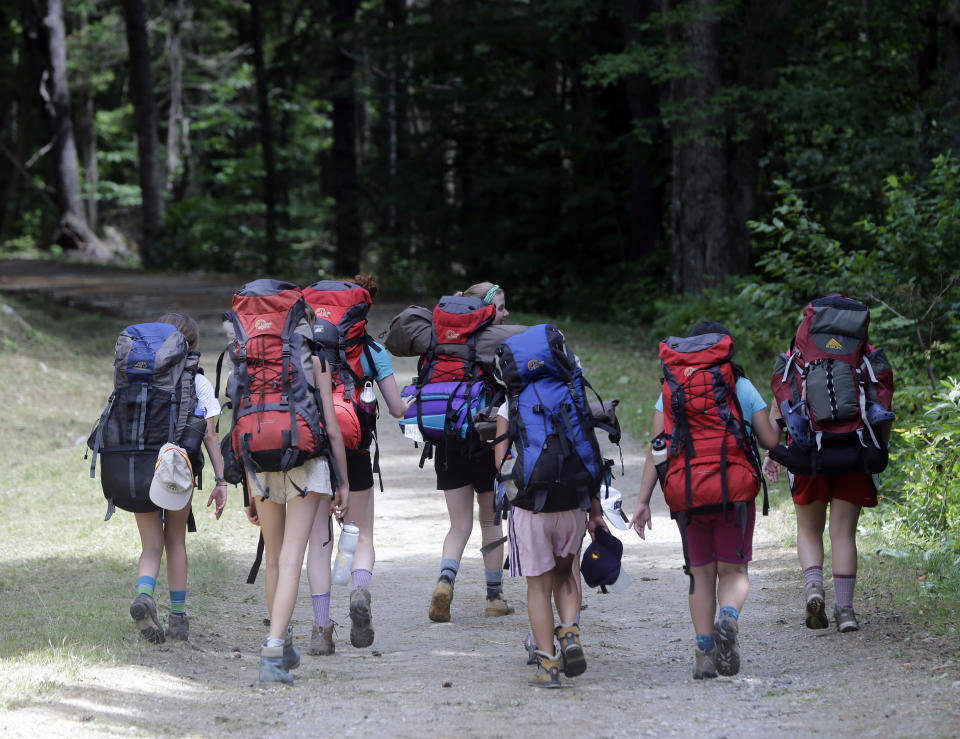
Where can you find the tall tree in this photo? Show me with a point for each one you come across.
(178, 125)
(266, 138)
(344, 186)
(153, 251)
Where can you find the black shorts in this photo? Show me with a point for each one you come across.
(359, 470)
(464, 463)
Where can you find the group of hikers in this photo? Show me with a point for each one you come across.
(503, 412)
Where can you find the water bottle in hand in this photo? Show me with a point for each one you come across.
(346, 546)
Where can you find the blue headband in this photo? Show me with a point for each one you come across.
(491, 294)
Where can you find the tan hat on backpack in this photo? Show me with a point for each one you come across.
(172, 483)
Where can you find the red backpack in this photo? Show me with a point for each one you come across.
(832, 389)
(276, 420)
(711, 457)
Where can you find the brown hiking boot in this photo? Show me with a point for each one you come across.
(143, 611)
(846, 619)
(361, 626)
(178, 627)
(498, 607)
(703, 667)
(548, 671)
(816, 610)
(440, 602)
(321, 640)
(571, 651)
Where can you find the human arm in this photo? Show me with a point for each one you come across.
(503, 446)
(771, 468)
(322, 380)
(212, 443)
(642, 519)
(396, 404)
(596, 518)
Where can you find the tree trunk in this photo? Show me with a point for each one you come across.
(698, 204)
(266, 139)
(177, 122)
(343, 182)
(152, 250)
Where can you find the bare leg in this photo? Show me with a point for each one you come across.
(151, 544)
(490, 530)
(843, 536)
(733, 585)
(321, 547)
(460, 510)
(811, 520)
(361, 511)
(703, 599)
(272, 518)
(301, 512)
(174, 538)
(566, 589)
(540, 609)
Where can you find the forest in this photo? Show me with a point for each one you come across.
(599, 158)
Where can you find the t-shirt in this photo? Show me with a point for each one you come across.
(382, 367)
(750, 400)
(206, 398)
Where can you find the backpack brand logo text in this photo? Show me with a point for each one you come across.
(323, 312)
(534, 364)
(262, 325)
(452, 334)
(834, 344)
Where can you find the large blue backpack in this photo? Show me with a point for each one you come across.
(557, 465)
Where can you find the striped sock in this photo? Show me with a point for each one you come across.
(494, 583)
(178, 601)
(843, 589)
(321, 609)
(361, 579)
(813, 576)
(449, 568)
(146, 584)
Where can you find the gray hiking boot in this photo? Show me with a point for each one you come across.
(846, 619)
(816, 610)
(703, 666)
(291, 658)
(271, 666)
(727, 657)
(143, 611)
(321, 640)
(178, 626)
(361, 626)
(530, 644)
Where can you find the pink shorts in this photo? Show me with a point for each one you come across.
(711, 538)
(537, 538)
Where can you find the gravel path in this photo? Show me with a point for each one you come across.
(468, 677)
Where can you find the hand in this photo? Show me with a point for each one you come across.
(595, 522)
(641, 520)
(771, 469)
(219, 494)
(407, 401)
(341, 500)
(251, 511)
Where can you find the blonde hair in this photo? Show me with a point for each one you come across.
(480, 290)
(185, 325)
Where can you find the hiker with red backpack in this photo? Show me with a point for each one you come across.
(833, 393)
(158, 382)
(452, 379)
(285, 440)
(704, 427)
(341, 307)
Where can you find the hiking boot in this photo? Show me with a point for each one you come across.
(703, 666)
(321, 640)
(530, 644)
(816, 610)
(727, 656)
(571, 651)
(846, 619)
(178, 626)
(271, 666)
(440, 602)
(291, 658)
(143, 611)
(361, 628)
(548, 671)
(498, 607)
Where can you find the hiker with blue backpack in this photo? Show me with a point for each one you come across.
(833, 393)
(160, 401)
(551, 482)
(705, 424)
(285, 440)
(341, 307)
(450, 376)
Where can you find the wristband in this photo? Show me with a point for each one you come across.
(219, 478)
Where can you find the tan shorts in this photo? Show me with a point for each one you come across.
(312, 477)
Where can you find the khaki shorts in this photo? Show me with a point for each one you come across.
(313, 477)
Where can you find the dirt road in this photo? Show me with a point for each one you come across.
(468, 677)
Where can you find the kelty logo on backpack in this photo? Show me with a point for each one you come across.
(834, 344)
(140, 365)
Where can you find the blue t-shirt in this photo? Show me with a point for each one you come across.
(382, 367)
(750, 400)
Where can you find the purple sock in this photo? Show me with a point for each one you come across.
(843, 589)
(361, 579)
(813, 576)
(321, 609)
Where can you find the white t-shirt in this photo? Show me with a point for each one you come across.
(206, 398)
(504, 412)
